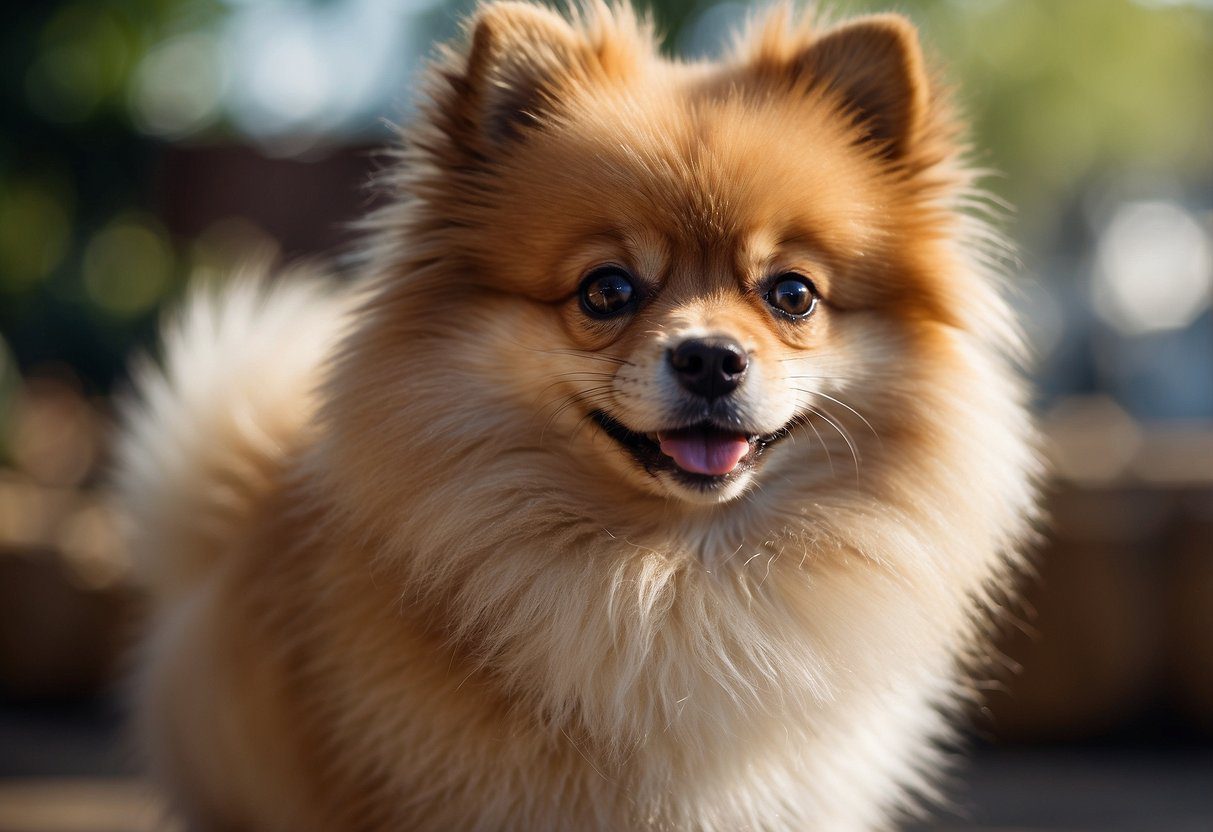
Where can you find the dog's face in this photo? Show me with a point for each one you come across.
(681, 269)
(699, 289)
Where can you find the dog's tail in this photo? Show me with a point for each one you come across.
(208, 426)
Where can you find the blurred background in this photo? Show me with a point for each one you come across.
(146, 143)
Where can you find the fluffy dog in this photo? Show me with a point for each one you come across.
(660, 471)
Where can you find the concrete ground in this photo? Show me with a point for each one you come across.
(65, 769)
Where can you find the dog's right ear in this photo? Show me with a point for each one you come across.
(520, 56)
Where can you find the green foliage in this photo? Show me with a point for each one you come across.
(1063, 91)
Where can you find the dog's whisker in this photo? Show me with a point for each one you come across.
(846, 437)
(842, 431)
(587, 417)
(588, 354)
(820, 440)
(557, 403)
(583, 375)
(848, 407)
(792, 356)
(593, 396)
(565, 403)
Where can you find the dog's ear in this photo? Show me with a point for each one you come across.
(519, 57)
(873, 66)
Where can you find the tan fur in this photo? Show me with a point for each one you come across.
(404, 582)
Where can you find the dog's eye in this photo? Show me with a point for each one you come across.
(606, 291)
(793, 295)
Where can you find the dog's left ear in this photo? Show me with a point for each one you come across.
(874, 65)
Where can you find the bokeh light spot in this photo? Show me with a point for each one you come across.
(177, 86)
(83, 59)
(34, 233)
(1154, 268)
(128, 266)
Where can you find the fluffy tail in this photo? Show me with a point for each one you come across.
(209, 425)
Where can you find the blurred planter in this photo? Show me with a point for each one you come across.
(67, 608)
(66, 604)
(1189, 612)
(1120, 617)
(1087, 650)
(59, 638)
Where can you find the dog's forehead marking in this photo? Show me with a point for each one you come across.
(694, 235)
(696, 172)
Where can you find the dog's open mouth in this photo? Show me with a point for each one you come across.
(701, 454)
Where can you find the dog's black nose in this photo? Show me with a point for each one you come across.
(709, 367)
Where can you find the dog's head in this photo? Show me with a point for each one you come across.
(627, 317)
(685, 274)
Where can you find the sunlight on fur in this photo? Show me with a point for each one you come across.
(662, 469)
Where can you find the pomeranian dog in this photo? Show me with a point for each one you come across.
(661, 470)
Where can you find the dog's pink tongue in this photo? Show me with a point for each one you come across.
(699, 453)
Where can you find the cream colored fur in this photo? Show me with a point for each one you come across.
(399, 587)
